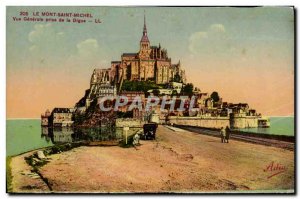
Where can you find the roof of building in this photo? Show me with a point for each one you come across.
(61, 110)
(47, 113)
(132, 93)
(239, 105)
(129, 54)
(144, 38)
(102, 69)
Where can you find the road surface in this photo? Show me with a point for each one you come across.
(175, 162)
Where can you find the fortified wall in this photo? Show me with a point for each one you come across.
(205, 122)
(234, 121)
(240, 121)
(129, 122)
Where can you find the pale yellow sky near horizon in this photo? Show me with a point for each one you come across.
(246, 55)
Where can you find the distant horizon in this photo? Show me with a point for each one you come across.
(40, 118)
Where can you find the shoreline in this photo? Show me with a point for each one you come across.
(285, 138)
(38, 118)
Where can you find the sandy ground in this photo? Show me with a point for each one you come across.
(175, 162)
(25, 181)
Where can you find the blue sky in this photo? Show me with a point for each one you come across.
(216, 45)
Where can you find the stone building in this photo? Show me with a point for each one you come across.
(62, 117)
(100, 85)
(150, 63)
(45, 118)
(131, 96)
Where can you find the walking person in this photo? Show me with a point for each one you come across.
(227, 135)
(222, 134)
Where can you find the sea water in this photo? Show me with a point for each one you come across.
(23, 135)
(278, 126)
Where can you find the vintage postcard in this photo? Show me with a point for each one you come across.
(150, 99)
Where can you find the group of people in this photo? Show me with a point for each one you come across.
(225, 134)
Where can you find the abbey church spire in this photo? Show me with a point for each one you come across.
(145, 37)
(145, 27)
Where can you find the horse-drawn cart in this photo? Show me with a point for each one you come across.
(149, 131)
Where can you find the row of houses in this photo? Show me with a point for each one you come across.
(64, 117)
(203, 106)
(208, 107)
(59, 117)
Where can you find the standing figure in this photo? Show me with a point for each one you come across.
(222, 134)
(227, 136)
(136, 139)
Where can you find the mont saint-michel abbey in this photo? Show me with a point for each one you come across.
(150, 63)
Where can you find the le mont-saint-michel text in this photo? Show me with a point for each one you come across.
(55, 17)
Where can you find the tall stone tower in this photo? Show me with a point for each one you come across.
(145, 49)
